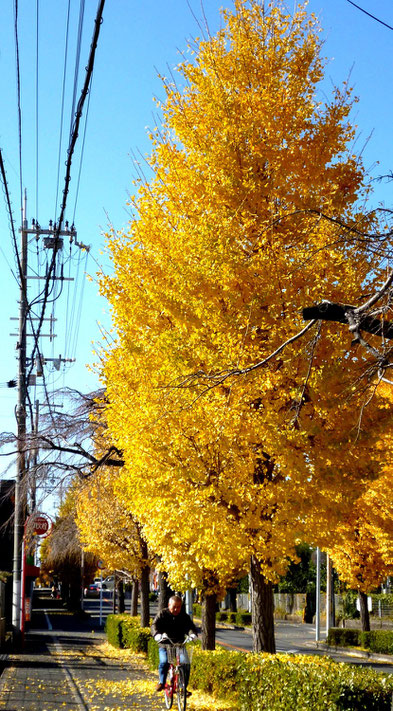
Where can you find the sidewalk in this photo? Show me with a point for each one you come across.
(75, 670)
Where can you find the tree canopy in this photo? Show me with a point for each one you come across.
(224, 247)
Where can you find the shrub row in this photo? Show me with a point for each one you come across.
(241, 617)
(257, 682)
(286, 682)
(379, 641)
(124, 631)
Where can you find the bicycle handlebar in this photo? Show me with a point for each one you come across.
(187, 639)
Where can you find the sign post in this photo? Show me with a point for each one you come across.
(37, 525)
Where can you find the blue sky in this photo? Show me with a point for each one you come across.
(137, 40)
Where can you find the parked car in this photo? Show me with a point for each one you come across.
(93, 590)
(108, 583)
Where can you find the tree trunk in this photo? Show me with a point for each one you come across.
(209, 621)
(364, 614)
(164, 591)
(120, 590)
(145, 610)
(232, 599)
(144, 582)
(262, 610)
(134, 597)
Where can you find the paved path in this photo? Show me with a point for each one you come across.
(70, 667)
(295, 638)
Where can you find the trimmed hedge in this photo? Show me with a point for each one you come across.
(378, 641)
(152, 653)
(287, 682)
(338, 637)
(113, 629)
(124, 631)
(241, 617)
(257, 682)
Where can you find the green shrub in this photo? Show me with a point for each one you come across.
(257, 682)
(152, 653)
(285, 683)
(125, 631)
(134, 637)
(379, 641)
(338, 637)
(243, 618)
(113, 629)
(216, 672)
(222, 616)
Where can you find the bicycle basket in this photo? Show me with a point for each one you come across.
(179, 653)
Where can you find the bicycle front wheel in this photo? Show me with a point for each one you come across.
(168, 694)
(181, 691)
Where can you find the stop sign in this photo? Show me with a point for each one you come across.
(41, 525)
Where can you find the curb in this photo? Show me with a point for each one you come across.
(354, 652)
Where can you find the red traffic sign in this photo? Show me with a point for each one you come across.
(40, 525)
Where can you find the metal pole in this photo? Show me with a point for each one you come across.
(82, 579)
(318, 598)
(114, 593)
(328, 593)
(33, 479)
(21, 431)
(101, 591)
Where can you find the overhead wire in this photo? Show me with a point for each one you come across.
(77, 61)
(82, 154)
(10, 217)
(36, 108)
(73, 138)
(18, 90)
(370, 15)
(43, 298)
(62, 105)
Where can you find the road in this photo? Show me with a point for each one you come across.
(291, 637)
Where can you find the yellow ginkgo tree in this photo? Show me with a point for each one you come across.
(362, 544)
(225, 244)
(111, 532)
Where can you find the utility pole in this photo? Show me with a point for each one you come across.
(21, 434)
(52, 239)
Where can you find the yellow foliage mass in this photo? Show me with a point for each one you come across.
(227, 246)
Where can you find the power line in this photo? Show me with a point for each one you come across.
(62, 103)
(77, 59)
(370, 15)
(36, 109)
(16, 9)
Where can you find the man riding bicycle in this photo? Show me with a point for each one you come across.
(173, 622)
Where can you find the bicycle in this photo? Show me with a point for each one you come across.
(176, 682)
